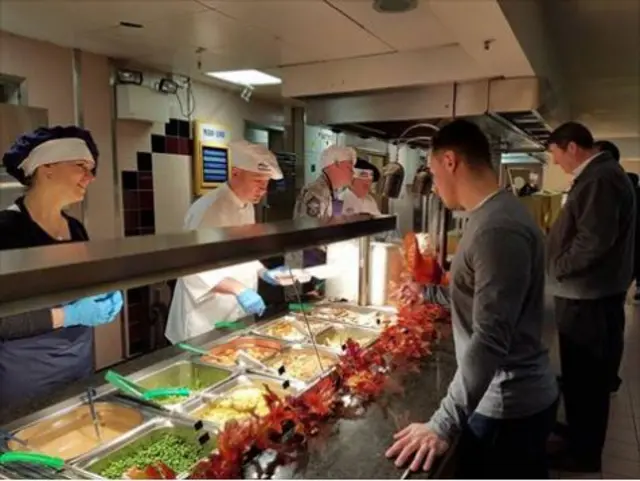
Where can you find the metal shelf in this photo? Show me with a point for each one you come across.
(48, 276)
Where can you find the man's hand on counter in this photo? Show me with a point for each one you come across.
(419, 443)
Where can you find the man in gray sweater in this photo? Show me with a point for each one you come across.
(590, 251)
(503, 398)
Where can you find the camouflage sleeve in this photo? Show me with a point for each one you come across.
(308, 204)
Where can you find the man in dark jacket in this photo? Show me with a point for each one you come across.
(610, 147)
(588, 252)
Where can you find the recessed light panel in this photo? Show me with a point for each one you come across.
(246, 77)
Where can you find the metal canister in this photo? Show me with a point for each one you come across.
(392, 179)
(422, 182)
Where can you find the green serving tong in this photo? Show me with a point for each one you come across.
(133, 389)
(195, 350)
(300, 307)
(32, 458)
(231, 325)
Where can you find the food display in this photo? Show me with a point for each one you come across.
(284, 329)
(345, 315)
(238, 403)
(192, 376)
(178, 451)
(73, 434)
(302, 364)
(336, 337)
(227, 354)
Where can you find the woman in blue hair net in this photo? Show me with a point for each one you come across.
(44, 350)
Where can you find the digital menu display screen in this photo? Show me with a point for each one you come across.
(215, 164)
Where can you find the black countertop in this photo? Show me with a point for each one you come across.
(355, 450)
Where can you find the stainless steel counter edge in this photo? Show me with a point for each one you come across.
(45, 276)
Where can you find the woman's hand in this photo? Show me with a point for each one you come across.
(93, 311)
(419, 443)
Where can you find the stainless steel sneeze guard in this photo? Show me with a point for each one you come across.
(46, 276)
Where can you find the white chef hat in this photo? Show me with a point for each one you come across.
(334, 154)
(254, 158)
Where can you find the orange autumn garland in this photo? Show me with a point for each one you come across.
(293, 423)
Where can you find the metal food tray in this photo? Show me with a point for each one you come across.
(239, 342)
(92, 463)
(297, 323)
(180, 374)
(56, 426)
(210, 396)
(348, 330)
(361, 311)
(305, 349)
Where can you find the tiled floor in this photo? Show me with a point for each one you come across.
(621, 459)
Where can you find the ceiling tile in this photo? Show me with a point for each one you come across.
(312, 30)
(63, 21)
(209, 30)
(416, 29)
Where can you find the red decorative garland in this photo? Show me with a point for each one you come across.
(363, 375)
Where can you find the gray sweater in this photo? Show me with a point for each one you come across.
(497, 290)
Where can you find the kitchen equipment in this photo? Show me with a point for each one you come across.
(71, 433)
(336, 336)
(193, 376)
(386, 266)
(111, 459)
(392, 179)
(226, 353)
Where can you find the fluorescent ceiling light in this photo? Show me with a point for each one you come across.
(246, 77)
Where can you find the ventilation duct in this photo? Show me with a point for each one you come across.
(516, 112)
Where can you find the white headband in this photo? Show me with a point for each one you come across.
(362, 174)
(55, 151)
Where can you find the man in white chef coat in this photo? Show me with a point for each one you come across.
(357, 199)
(227, 294)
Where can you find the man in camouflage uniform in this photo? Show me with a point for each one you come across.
(319, 199)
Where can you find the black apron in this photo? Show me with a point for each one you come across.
(39, 365)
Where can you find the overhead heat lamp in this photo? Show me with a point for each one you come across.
(394, 6)
(167, 86)
(133, 77)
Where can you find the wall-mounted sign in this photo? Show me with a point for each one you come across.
(211, 161)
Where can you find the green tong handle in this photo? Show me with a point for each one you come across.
(33, 458)
(166, 392)
(300, 307)
(234, 325)
(123, 384)
(190, 348)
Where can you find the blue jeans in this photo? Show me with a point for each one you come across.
(492, 448)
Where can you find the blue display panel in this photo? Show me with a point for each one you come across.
(215, 164)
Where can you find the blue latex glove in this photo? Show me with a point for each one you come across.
(251, 302)
(269, 275)
(93, 311)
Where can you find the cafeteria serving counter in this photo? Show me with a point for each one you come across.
(355, 449)
(275, 350)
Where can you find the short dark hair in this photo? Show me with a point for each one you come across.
(607, 146)
(571, 132)
(466, 139)
(633, 177)
(364, 164)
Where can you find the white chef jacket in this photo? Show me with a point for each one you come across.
(195, 308)
(352, 204)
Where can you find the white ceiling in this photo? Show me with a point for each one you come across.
(599, 44)
(236, 34)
